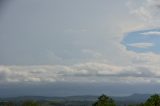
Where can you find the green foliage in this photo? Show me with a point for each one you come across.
(30, 103)
(56, 103)
(7, 104)
(104, 101)
(141, 104)
(154, 100)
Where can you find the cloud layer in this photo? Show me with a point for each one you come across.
(141, 45)
(153, 33)
(104, 42)
(82, 73)
(147, 10)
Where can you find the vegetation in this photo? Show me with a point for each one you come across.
(4, 103)
(153, 101)
(104, 101)
(30, 103)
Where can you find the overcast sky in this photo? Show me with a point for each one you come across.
(78, 47)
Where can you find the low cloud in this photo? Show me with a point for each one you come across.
(141, 45)
(82, 73)
(147, 10)
(153, 33)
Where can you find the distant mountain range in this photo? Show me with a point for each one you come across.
(135, 98)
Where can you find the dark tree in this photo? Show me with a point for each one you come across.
(30, 103)
(154, 100)
(104, 100)
(7, 103)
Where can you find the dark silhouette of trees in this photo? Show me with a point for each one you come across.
(7, 103)
(154, 100)
(30, 103)
(104, 100)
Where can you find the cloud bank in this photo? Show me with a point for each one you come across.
(141, 45)
(52, 42)
(82, 73)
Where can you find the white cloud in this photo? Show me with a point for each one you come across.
(119, 64)
(147, 10)
(141, 45)
(85, 72)
(154, 33)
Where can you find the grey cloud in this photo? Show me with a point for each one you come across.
(53, 42)
(147, 10)
(56, 32)
(155, 3)
(80, 73)
(138, 72)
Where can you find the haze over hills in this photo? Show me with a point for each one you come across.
(134, 98)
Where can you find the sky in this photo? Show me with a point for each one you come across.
(79, 47)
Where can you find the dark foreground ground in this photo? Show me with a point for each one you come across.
(73, 100)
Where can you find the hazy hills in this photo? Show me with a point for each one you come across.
(135, 98)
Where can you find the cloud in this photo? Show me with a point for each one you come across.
(71, 30)
(141, 45)
(154, 33)
(79, 73)
(92, 53)
(90, 46)
(147, 10)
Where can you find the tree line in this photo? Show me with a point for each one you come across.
(103, 100)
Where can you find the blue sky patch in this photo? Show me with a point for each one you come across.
(143, 41)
